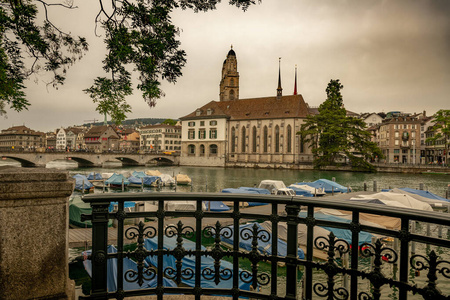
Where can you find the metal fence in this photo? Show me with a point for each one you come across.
(361, 276)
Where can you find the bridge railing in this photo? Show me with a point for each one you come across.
(357, 259)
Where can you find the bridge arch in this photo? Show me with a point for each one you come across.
(82, 162)
(127, 161)
(162, 160)
(22, 161)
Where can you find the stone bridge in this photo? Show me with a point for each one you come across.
(87, 159)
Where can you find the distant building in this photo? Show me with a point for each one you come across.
(21, 138)
(50, 140)
(160, 137)
(372, 119)
(101, 139)
(245, 132)
(129, 140)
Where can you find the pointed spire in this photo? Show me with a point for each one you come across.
(279, 89)
(295, 84)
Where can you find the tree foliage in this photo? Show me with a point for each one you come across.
(29, 46)
(441, 127)
(333, 135)
(169, 122)
(140, 40)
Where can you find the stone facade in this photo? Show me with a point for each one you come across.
(21, 138)
(160, 137)
(34, 234)
(101, 139)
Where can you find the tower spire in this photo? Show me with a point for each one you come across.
(295, 84)
(279, 89)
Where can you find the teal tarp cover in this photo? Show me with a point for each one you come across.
(76, 208)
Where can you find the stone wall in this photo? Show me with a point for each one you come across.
(34, 233)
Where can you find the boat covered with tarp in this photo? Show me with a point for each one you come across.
(94, 176)
(306, 190)
(248, 190)
(82, 183)
(327, 186)
(216, 206)
(167, 180)
(188, 262)
(144, 180)
(128, 264)
(264, 240)
(393, 199)
(77, 207)
(183, 179)
(117, 180)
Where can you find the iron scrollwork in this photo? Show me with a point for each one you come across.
(179, 252)
(376, 277)
(140, 254)
(420, 262)
(332, 245)
(217, 253)
(254, 256)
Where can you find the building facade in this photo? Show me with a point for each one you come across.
(101, 139)
(245, 132)
(160, 137)
(21, 138)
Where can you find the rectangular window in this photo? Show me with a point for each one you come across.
(396, 143)
(396, 151)
(191, 124)
(213, 123)
(202, 123)
(213, 133)
(201, 134)
(191, 134)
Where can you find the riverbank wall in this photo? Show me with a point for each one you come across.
(382, 168)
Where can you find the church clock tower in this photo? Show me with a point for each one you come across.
(229, 85)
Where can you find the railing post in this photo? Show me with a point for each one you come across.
(100, 215)
(292, 250)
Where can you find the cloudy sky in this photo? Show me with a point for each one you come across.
(389, 55)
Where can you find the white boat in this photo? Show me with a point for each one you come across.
(167, 180)
(310, 189)
(276, 187)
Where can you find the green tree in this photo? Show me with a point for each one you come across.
(170, 122)
(139, 36)
(441, 128)
(333, 135)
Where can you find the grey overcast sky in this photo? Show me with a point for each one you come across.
(389, 55)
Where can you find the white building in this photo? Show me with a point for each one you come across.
(160, 137)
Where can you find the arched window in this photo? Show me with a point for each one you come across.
(202, 150)
(213, 150)
(254, 139)
(289, 139)
(265, 139)
(243, 140)
(277, 139)
(191, 150)
(233, 139)
(231, 94)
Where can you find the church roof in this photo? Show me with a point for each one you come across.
(292, 106)
(231, 52)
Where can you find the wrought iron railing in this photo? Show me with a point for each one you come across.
(363, 276)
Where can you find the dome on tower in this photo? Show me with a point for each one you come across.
(231, 52)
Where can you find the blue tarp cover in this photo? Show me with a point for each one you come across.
(139, 174)
(327, 185)
(301, 192)
(126, 204)
(248, 190)
(425, 194)
(148, 180)
(216, 206)
(189, 262)
(364, 237)
(116, 179)
(94, 176)
(263, 247)
(128, 264)
(82, 182)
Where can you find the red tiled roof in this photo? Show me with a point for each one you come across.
(292, 106)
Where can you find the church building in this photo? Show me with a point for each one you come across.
(254, 132)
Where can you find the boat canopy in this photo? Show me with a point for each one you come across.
(166, 179)
(117, 179)
(328, 186)
(216, 206)
(82, 182)
(77, 207)
(146, 180)
(128, 264)
(138, 174)
(425, 194)
(396, 199)
(188, 262)
(94, 176)
(248, 190)
(270, 185)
